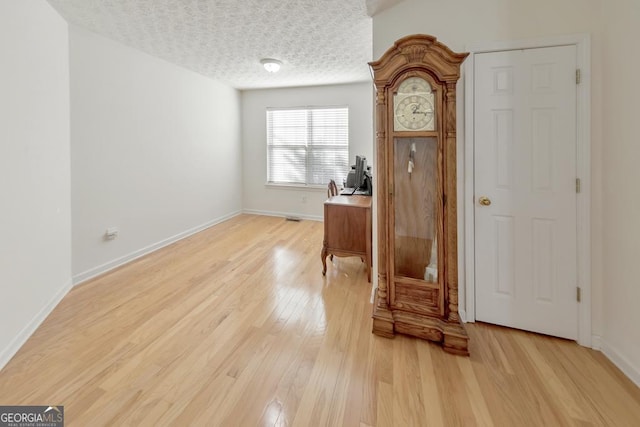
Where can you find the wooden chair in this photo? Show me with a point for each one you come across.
(332, 190)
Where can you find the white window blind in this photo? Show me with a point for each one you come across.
(307, 146)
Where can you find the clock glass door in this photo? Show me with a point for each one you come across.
(417, 201)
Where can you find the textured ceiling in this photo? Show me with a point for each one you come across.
(318, 41)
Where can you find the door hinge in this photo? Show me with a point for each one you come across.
(578, 295)
(578, 185)
(578, 76)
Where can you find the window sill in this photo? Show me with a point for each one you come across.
(296, 187)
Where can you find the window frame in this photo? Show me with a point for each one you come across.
(306, 145)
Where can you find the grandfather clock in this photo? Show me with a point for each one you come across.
(417, 293)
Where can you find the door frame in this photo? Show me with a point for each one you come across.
(583, 170)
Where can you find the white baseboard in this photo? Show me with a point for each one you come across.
(18, 341)
(283, 214)
(596, 342)
(624, 364)
(101, 269)
(463, 315)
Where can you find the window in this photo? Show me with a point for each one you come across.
(307, 146)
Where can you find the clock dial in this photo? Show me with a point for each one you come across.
(414, 105)
(414, 112)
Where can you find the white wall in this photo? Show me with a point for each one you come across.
(621, 176)
(458, 23)
(35, 219)
(154, 149)
(302, 202)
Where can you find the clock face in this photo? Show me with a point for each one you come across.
(414, 106)
(414, 112)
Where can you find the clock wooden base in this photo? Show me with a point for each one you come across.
(452, 335)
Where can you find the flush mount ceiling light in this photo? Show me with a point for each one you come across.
(271, 65)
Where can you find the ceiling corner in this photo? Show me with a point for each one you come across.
(376, 6)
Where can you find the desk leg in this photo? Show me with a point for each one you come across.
(369, 261)
(323, 255)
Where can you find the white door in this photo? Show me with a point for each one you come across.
(525, 167)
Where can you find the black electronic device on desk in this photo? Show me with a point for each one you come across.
(358, 179)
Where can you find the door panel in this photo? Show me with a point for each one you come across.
(503, 256)
(525, 164)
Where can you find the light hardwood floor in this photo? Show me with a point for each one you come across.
(236, 326)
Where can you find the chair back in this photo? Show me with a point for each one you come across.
(332, 189)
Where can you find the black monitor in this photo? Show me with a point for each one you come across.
(361, 168)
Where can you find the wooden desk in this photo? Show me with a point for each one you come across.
(347, 229)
